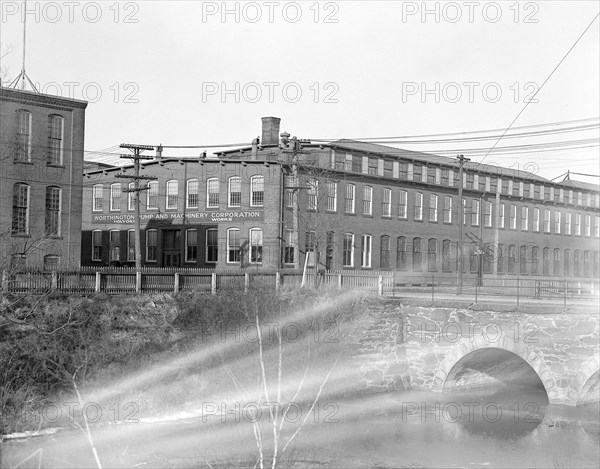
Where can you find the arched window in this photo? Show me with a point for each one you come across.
(233, 245)
(97, 197)
(586, 263)
(53, 211)
(500, 258)
(401, 253)
(212, 193)
(446, 256)
(96, 245)
(535, 259)
(23, 135)
(114, 244)
(576, 262)
(567, 262)
(257, 191)
(546, 261)
(55, 139)
(212, 245)
(115, 196)
(556, 262)
(512, 253)
(235, 191)
(151, 245)
(417, 255)
(191, 200)
(172, 194)
(523, 259)
(432, 255)
(191, 245)
(256, 246)
(596, 263)
(131, 245)
(20, 213)
(384, 252)
(152, 198)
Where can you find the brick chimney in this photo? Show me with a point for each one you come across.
(270, 131)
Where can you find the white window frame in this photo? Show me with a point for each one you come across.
(257, 186)
(350, 199)
(344, 250)
(230, 193)
(386, 202)
(115, 197)
(192, 188)
(169, 193)
(366, 251)
(331, 196)
(229, 231)
(97, 199)
(252, 245)
(367, 200)
(418, 206)
(433, 208)
(211, 184)
(152, 192)
(403, 205)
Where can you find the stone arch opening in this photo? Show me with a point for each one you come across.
(536, 366)
(492, 367)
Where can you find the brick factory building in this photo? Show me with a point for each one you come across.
(41, 165)
(359, 205)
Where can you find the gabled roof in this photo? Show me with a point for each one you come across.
(436, 159)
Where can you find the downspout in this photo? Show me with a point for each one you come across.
(71, 190)
(281, 217)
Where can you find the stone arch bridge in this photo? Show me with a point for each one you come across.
(428, 348)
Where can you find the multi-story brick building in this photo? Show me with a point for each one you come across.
(359, 205)
(41, 164)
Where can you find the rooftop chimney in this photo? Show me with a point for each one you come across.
(270, 131)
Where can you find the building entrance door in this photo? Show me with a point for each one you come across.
(171, 252)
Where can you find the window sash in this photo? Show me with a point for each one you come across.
(212, 193)
(257, 189)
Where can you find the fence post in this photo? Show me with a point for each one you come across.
(246, 282)
(213, 283)
(138, 282)
(176, 283)
(277, 280)
(380, 285)
(54, 281)
(98, 282)
(340, 280)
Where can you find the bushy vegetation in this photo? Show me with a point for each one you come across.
(50, 343)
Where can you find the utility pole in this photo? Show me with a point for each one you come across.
(461, 212)
(137, 157)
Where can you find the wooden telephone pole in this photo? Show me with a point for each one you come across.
(461, 215)
(136, 178)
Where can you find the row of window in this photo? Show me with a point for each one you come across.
(479, 212)
(21, 209)
(192, 194)
(504, 256)
(172, 241)
(55, 134)
(448, 177)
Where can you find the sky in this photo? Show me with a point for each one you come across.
(202, 74)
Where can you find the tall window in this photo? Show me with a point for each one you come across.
(433, 209)
(524, 218)
(576, 262)
(475, 212)
(114, 244)
(331, 196)
(313, 193)
(257, 189)
(366, 246)
(512, 253)
(401, 253)
(172, 194)
(23, 135)
(151, 245)
(290, 184)
(212, 193)
(445, 174)
(20, 214)
(402, 206)
(577, 224)
(417, 255)
(152, 196)
(418, 208)
(447, 209)
(384, 252)
(192, 198)
(53, 211)
(235, 191)
(115, 196)
(546, 261)
(233, 245)
(513, 217)
(432, 255)
(523, 259)
(487, 214)
(501, 216)
(556, 262)
(500, 258)
(386, 203)
(191, 245)
(290, 247)
(536, 219)
(350, 198)
(96, 245)
(131, 196)
(446, 254)
(534, 259)
(212, 246)
(557, 222)
(348, 250)
(131, 245)
(367, 200)
(597, 227)
(566, 262)
(546, 221)
(97, 197)
(55, 140)
(256, 246)
(587, 225)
